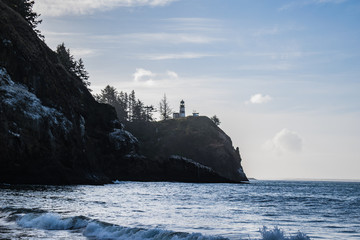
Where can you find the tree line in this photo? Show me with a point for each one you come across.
(127, 106)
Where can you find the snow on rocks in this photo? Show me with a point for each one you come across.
(120, 138)
(18, 98)
(6, 42)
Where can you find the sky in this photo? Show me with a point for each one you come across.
(283, 76)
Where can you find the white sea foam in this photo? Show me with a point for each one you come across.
(98, 230)
(104, 231)
(51, 221)
(278, 234)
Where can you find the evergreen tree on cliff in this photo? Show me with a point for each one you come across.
(25, 9)
(164, 107)
(66, 59)
(109, 95)
(82, 73)
(73, 66)
(216, 120)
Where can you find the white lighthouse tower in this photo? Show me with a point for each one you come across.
(182, 109)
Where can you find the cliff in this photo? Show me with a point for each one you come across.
(195, 138)
(52, 131)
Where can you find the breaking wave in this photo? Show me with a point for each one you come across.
(94, 229)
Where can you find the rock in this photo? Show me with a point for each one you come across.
(195, 138)
(52, 131)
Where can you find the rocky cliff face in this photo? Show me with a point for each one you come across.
(52, 131)
(194, 138)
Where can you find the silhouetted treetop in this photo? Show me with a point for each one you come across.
(25, 9)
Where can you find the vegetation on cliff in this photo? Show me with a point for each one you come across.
(53, 131)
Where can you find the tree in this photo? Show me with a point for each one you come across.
(164, 108)
(216, 120)
(71, 65)
(65, 58)
(127, 107)
(149, 110)
(132, 105)
(108, 95)
(25, 9)
(82, 73)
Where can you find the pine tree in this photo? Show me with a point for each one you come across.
(65, 58)
(216, 120)
(108, 95)
(127, 107)
(131, 104)
(123, 113)
(73, 66)
(82, 73)
(164, 108)
(138, 111)
(25, 9)
(149, 110)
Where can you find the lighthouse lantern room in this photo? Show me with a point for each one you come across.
(182, 108)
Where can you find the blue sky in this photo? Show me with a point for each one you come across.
(282, 76)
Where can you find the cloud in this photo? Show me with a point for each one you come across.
(194, 24)
(83, 52)
(259, 99)
(285, 141)
(281, 66)
(148, 78)
(143, 75)
(299, 4)
(174, 38)
(79, 7)
(172, 74)
(174, 56)
(267, 31)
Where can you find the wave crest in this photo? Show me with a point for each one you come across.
(94, 229)
(278, 234)
(51, 221)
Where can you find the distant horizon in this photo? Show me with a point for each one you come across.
(282, 76)
(305, 179)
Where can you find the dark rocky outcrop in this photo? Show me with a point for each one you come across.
(195, 138)
(52, 131)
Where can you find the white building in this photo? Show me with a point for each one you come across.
(182, 109)
(181, 113)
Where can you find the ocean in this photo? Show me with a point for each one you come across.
(268, 210)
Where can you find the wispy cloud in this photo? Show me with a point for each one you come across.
(297, 4)
(282, 66)
(142, 75)
(172, 38)
(171, 56)
(83, 52)
(282, 55)
(172, 74)
(267, 31)
(259, 99)
(194, 24)
(78, 7)
(147, 78)
(285, 141)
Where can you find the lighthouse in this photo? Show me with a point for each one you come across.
(182, 109)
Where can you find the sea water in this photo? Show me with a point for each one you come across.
(269, 210)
